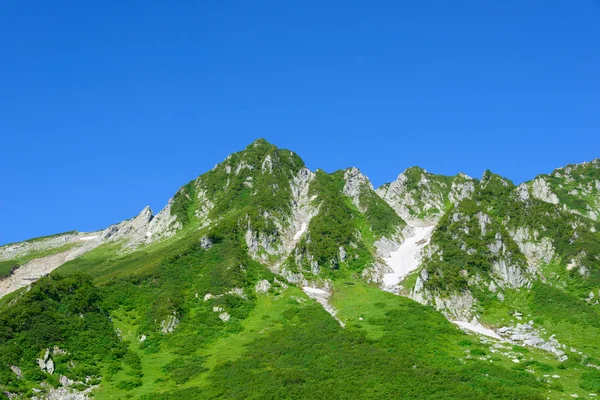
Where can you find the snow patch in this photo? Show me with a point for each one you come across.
(406, 259)
(476, 327)
(85, 238)
(301, 231)
(322, 297)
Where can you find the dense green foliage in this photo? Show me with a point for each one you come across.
(313, 358)
(227, 340)
(7, 268)
(253, 182)
(458, 232)
(333, 227)
(382, 218)
(65, 312)
(183, 205)
(576, 186)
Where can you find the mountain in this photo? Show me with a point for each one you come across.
(263, 279)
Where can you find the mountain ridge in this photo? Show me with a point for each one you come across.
(483, 253)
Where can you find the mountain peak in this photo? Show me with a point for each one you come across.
(261, 142)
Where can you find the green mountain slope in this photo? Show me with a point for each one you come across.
(263, 279)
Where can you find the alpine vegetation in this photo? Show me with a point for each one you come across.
(264, 279)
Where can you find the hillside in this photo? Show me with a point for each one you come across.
(263, 279)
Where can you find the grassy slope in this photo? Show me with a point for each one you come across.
(277, 345)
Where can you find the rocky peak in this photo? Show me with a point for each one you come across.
(422, 197)
(355, 183)
(489, 178)
(541, 190)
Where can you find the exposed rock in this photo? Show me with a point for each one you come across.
(169, 325)
(416, 204)
(135, 229)
(535, 250)
(385, 246)
(36, 268)
(342, 253)
(17, 371)
(541, 190)
(484, 221)
(322, 297)
(50, 366)
(523, 192)
(63, 393)
(224, 317)
(45, 363)
(462, 187)
(267, 165)
(205, 243)
(356, 182)
(66, 382)
(262, 286)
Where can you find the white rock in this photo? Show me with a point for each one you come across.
(262, 286)
(224, 317)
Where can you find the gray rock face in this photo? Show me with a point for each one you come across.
(267, 165)
(536, 250)
(142, 229)
(541, 190)
(224, 316)
(45, 363)
(510, 274)
(355, 183)
(423, 202)
(289, 231)
(20, 249)
(455, 306)
(17, 371)
(205, 243)
(527, 335)
(384, 246)
(65, 393)
(408, 202)
(36, 268)
(169, 325)
(462, 188)
(262, 286)
(523, 192)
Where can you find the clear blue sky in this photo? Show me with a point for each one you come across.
(107, 106)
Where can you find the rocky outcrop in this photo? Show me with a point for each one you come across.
(523, 192)
(168, 325)
(46, 363)
(322, 297)
(454, 306)
(272, 248)
(421, 198)
(36, 268)
(145, 228)
(262, 286)
(205, 243)
(540, 189)
(16, 250)
(509, 272)
(66, 393)
(356, 182)
(135, 229)
(526, 335)
(17, 371)
(463, 187)
(537, 250)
